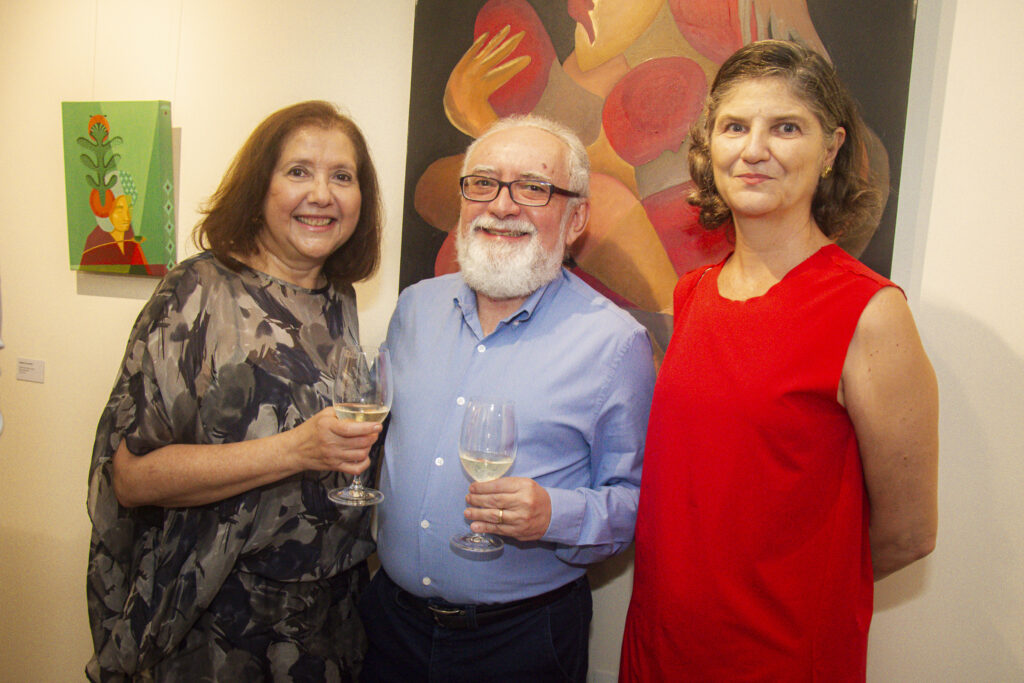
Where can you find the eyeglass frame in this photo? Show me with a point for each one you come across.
(502, 184)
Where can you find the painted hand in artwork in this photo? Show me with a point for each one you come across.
(478, 74)
(644, 67)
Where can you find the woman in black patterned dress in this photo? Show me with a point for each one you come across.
(215, 554)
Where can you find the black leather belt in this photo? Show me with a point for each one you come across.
(461, 617)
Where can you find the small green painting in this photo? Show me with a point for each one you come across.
(119, 180)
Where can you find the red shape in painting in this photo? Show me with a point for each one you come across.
(580, 11)
(651, 109)
(712, 27)
(101, 204)
(521, 94)
(446, 262)
(689, 244)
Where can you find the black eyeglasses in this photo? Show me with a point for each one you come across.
(480, 188)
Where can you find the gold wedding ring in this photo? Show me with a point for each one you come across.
(501, 515)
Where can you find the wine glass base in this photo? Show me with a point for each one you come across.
(476, 543)
(362, 497)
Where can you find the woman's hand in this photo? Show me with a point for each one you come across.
(185, 475)
(478, 74)
(327, 443)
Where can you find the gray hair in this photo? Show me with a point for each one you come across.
(576, 154)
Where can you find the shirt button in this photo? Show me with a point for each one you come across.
(481, 348)
(425, 524)
(438, 461)
(426, 580)
(460, 401)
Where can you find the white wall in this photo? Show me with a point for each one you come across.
(957, 616)
(224, 66)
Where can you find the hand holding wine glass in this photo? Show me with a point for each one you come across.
(363, 390)
(487, 449)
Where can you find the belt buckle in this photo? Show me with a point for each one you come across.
(440, 613)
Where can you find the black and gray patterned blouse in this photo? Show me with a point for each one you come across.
(260, 586)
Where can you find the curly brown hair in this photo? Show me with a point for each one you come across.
(845, 199)
(234, 214)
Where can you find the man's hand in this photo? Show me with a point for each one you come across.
(516, 507)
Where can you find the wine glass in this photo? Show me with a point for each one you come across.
(487, 448)
(362, 392)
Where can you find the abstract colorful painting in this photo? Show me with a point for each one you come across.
(630, 77)
(119, 182)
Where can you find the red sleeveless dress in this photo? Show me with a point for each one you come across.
(752, 553)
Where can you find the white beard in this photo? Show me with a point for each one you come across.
(506, 270)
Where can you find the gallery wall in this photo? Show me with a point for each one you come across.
(959, 614)
(224, 66)
(956, 616)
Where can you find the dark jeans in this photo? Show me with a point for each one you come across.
(548, 643)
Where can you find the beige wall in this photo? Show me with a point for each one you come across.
(958, 616)
(223, 65)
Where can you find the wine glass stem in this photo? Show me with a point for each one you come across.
(357, 482)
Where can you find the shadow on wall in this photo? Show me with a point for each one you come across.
(612, 582)
(973, 584)
(115, 286)
(611, 569)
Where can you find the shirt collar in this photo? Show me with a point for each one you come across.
(465, 299)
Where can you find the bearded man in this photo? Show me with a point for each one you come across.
(512, 325)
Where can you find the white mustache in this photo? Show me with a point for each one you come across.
(513, 225)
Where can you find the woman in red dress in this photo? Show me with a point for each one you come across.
(792, 448)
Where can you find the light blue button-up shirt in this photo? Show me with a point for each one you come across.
(580, 372)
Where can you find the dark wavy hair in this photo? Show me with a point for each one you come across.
(234, 214)
(845, 199)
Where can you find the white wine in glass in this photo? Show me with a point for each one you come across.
(362, 393)
(358, 412)
(482, 467)
(487, 449)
